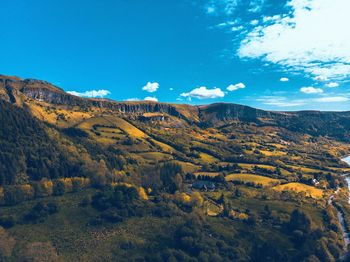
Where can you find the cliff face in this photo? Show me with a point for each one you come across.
(335, 124)
(11, 87)
(222, 112)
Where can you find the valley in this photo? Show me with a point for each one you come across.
(95, 179)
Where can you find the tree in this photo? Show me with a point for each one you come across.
(100, 178)
(221, 200)
(197, 199)
(58, 188)
(299, 221)
(169, 175)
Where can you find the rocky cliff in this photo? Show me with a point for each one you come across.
(335, 124)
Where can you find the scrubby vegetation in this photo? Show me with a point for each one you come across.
(90, 183)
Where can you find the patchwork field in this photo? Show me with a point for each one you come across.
(187, 167)
(251, 178)
(156, 156)
(206, 158)
(268, 167)
(299, 187)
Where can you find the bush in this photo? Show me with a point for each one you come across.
(40, 211)
(7, 221)
(58, 188)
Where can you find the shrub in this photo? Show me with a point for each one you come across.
(7, 221)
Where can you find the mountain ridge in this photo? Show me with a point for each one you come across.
(29, 84)
(335, 124)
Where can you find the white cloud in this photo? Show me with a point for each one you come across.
(284, 79)
(211, 9)
(228, 7)
(312, 38)
(311, 90)
(132, 99)
(256, 5)
(321, 78)
(171, 89)
(228, 23)
(236, 28)
(204, 93)
(91, 94)
(235, 87)
(151, 98)
(332, 85)
(254, 22)
(151, 87)
(331, 99)
(279, 101)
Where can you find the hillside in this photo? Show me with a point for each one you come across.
(95, 179)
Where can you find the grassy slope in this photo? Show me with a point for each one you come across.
(68, 229)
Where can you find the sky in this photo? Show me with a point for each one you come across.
(269, 54)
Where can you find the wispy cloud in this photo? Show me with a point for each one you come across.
(312, 38)
(331, 99)
(311, 90)
(235, 87)
(132, 99)
(228, 7)
(332, 85)
(91, 94)
(281, 101)
(204, 93)
(151, 98)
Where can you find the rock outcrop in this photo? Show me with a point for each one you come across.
(335, 124)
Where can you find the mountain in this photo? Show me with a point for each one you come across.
(334, 124)
(95, 179)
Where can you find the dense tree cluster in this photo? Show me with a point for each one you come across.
(27, 151)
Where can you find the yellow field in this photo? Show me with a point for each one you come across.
(151, 114)
(187, 167)
(207, 158)
(305, 169)
(156, 156)
(50, 115)
(279, 146)
(121, 124)
(249, 167)
(246, 178)
(88, 123)
(213, 210)
(165, 147)
(126, 127)
(272, 153)
(299, 187)
(340, 169)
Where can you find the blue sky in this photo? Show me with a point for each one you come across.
(271, 54)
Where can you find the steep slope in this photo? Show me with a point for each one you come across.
(27, 151)
(333, 124)
(317, 123)
(93, 179)
(12, 87)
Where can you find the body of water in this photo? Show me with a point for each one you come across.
(341, 215)
(347, 160)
